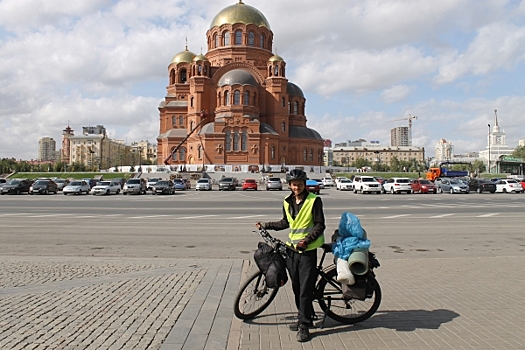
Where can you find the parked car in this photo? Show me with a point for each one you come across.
(91, 182)
(151, 182)
(423, 186)
(203, 184)
(481, 185)
(344, 185)
(179, 185)
(522, 182)
(43, 186)
(249, 184)
(2, 181)
(106, 188)
(508, 186)
(163, 187)
(328, 181)
(227, 184)
(452, 186)
(135, 186)
(397, 185)
(16, 186)
(313, 186)
(321, 183)
(274, 183)
(366, 184)
(76, 187)
(61, 183)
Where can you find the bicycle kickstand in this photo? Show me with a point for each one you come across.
(329, 303)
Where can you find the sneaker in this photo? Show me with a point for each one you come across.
(294, 327)
(303, 334)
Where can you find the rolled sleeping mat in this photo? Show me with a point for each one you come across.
(358, 261)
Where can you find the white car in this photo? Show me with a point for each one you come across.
(203, 185)
(344, 185)
(508, 186)
(76, 187)
(328, 182)
(366, 184)
(106, 187)
(397, 185)
(151, 183)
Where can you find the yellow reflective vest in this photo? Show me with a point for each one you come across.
(302, 225)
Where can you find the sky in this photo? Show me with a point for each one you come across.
(363, 65)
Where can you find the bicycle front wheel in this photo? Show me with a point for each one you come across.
(342, 308)
(253, 297)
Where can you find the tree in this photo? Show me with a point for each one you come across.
(519, 152)
(395, 165)
(361, 162)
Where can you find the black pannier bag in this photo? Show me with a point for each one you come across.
(272, 265)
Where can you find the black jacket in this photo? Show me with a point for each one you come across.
(317, 211)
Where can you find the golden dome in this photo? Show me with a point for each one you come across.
(183, 56)
(276, 58)
(200, 57)
(240, 13)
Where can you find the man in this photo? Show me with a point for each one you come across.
(303, 214)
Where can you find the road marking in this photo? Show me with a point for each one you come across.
(487, 215)
(245, 217)
(15, 214)
(196, 217)
(441, 216)
(48, 215)
(148, 216)
(395, 216)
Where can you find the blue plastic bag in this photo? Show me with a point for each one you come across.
(352, 236)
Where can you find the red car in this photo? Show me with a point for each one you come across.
(423, 186)
(313, 186)
(249, 184)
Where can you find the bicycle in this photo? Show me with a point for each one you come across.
(345, 304)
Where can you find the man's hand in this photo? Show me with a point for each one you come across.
(301, 246)
(258, 225)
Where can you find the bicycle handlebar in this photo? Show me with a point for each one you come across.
(275, 242)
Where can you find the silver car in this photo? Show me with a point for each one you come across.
(76, 187)
(453, 186)
(274, 183)
(203, 185)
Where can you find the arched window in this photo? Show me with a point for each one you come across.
(238, 37)
(246, 101)
(227, 98)
(172, 77)
(206, 70)
(173, 121)
(311, 155)
(262, 39)
(305, 155)
(191, 101)
(182, 154)
(199, 69)
(251, 39)
(276, 70)
(244, 141)
(191, 125)
(226, 38)
(283, 126)
(296, 108)
(255, 99)
(183, 77)
(227, 141)
(236, 97)
(236, 140)
(273, 152)
(215, 41)
(289, 107)
(284, 102)
(199, 152)
(181, 121)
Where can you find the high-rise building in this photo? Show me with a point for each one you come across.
(444, 151)
(66, 144)
(400, 137)
(46, 149)
(234, 104)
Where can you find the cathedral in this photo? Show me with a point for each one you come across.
(234, 106)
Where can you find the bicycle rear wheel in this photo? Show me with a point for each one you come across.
(253, 297)
(342, 308)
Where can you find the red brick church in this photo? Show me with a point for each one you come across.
(234, 106)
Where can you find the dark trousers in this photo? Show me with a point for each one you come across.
(301, 267)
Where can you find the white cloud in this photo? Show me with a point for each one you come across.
(395, 93)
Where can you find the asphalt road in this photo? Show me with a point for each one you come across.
(217, 224)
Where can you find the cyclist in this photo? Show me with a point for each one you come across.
(303, 214)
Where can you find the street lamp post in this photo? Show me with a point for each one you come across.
(489, 149)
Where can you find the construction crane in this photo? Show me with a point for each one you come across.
(409, 118)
